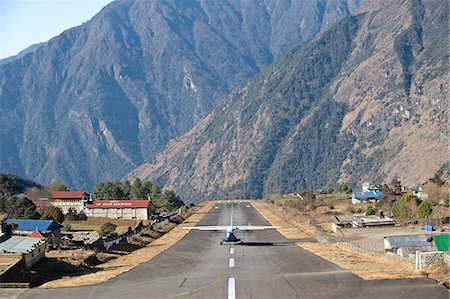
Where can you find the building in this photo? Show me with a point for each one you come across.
(31, 249)
(66, 200)
(370, 187)
(120, 209)
(407, 246)
(420, 194)
(366, 196)
(47, 228)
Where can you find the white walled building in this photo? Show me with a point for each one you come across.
(31, 249)
(120, 209)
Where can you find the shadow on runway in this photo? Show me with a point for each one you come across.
(256, 244)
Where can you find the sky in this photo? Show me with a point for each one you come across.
(27, 22)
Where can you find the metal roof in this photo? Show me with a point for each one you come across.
(415, 242)
(442, 242)
(371, 194)
(32, 225)
(67, 194)
(17, 244)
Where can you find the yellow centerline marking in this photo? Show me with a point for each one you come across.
(218, 277)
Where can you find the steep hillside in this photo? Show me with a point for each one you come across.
(102, 98)
(365, 101)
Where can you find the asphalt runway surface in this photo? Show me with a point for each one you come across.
(266, 265)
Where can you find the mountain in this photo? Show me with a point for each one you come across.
(100, 99)
(364, 101)
(21, 54)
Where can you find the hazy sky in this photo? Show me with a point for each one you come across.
(27, 22)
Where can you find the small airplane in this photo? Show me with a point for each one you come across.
(231, 230)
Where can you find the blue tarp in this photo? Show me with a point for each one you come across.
(45, 226)
(367, 195)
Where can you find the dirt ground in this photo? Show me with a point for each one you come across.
(364, 264)
(126, 262)
(293, 226)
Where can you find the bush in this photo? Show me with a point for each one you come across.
(53, 213)
(424, 210)
(67, 227)
(370, 210)
(405, 208)
(107, 228)
(73, 215)
(82, 216)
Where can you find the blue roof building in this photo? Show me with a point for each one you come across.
(362, 196)
(30, 225)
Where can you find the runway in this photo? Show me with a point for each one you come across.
(266, 265)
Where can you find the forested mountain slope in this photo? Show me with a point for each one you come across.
(367, 100)
(100, 99)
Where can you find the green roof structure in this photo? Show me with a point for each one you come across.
(442, 242)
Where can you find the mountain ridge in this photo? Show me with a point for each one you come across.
(102, 98)
(338, 109)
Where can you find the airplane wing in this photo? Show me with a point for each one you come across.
(238, 227)
(214, 228)
(255, 227)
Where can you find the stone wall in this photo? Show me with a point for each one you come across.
(427, 259)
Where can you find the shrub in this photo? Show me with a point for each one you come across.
(107, 228)
(53, 213)
(370, 210)
(405, 208)
(424, 210)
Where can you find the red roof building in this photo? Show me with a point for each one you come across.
(36, 234)
(68, 195)
(120, 209)
(66, 200)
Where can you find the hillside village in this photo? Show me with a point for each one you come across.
(72, 227)
(384, 219)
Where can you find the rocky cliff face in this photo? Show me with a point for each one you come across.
(102, 98)
(364, 101)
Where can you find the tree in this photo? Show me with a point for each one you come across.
(20, 206)
(107, 228)
(56, 186)
(155, 192)
(343, 188)
(71, 215)
(405, 207)
(168, 201)
(53, 213)
(438, 177)
(137, 190)
(424, 210)
(396, 186)
(370, 210)
(82, 216)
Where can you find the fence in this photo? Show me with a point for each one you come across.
(376, 249)
(107, 243)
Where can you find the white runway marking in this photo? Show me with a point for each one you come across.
(248, 206)
(231, 288)
(231, 262)
(231, 250)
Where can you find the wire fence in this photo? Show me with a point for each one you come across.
(376, 248)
